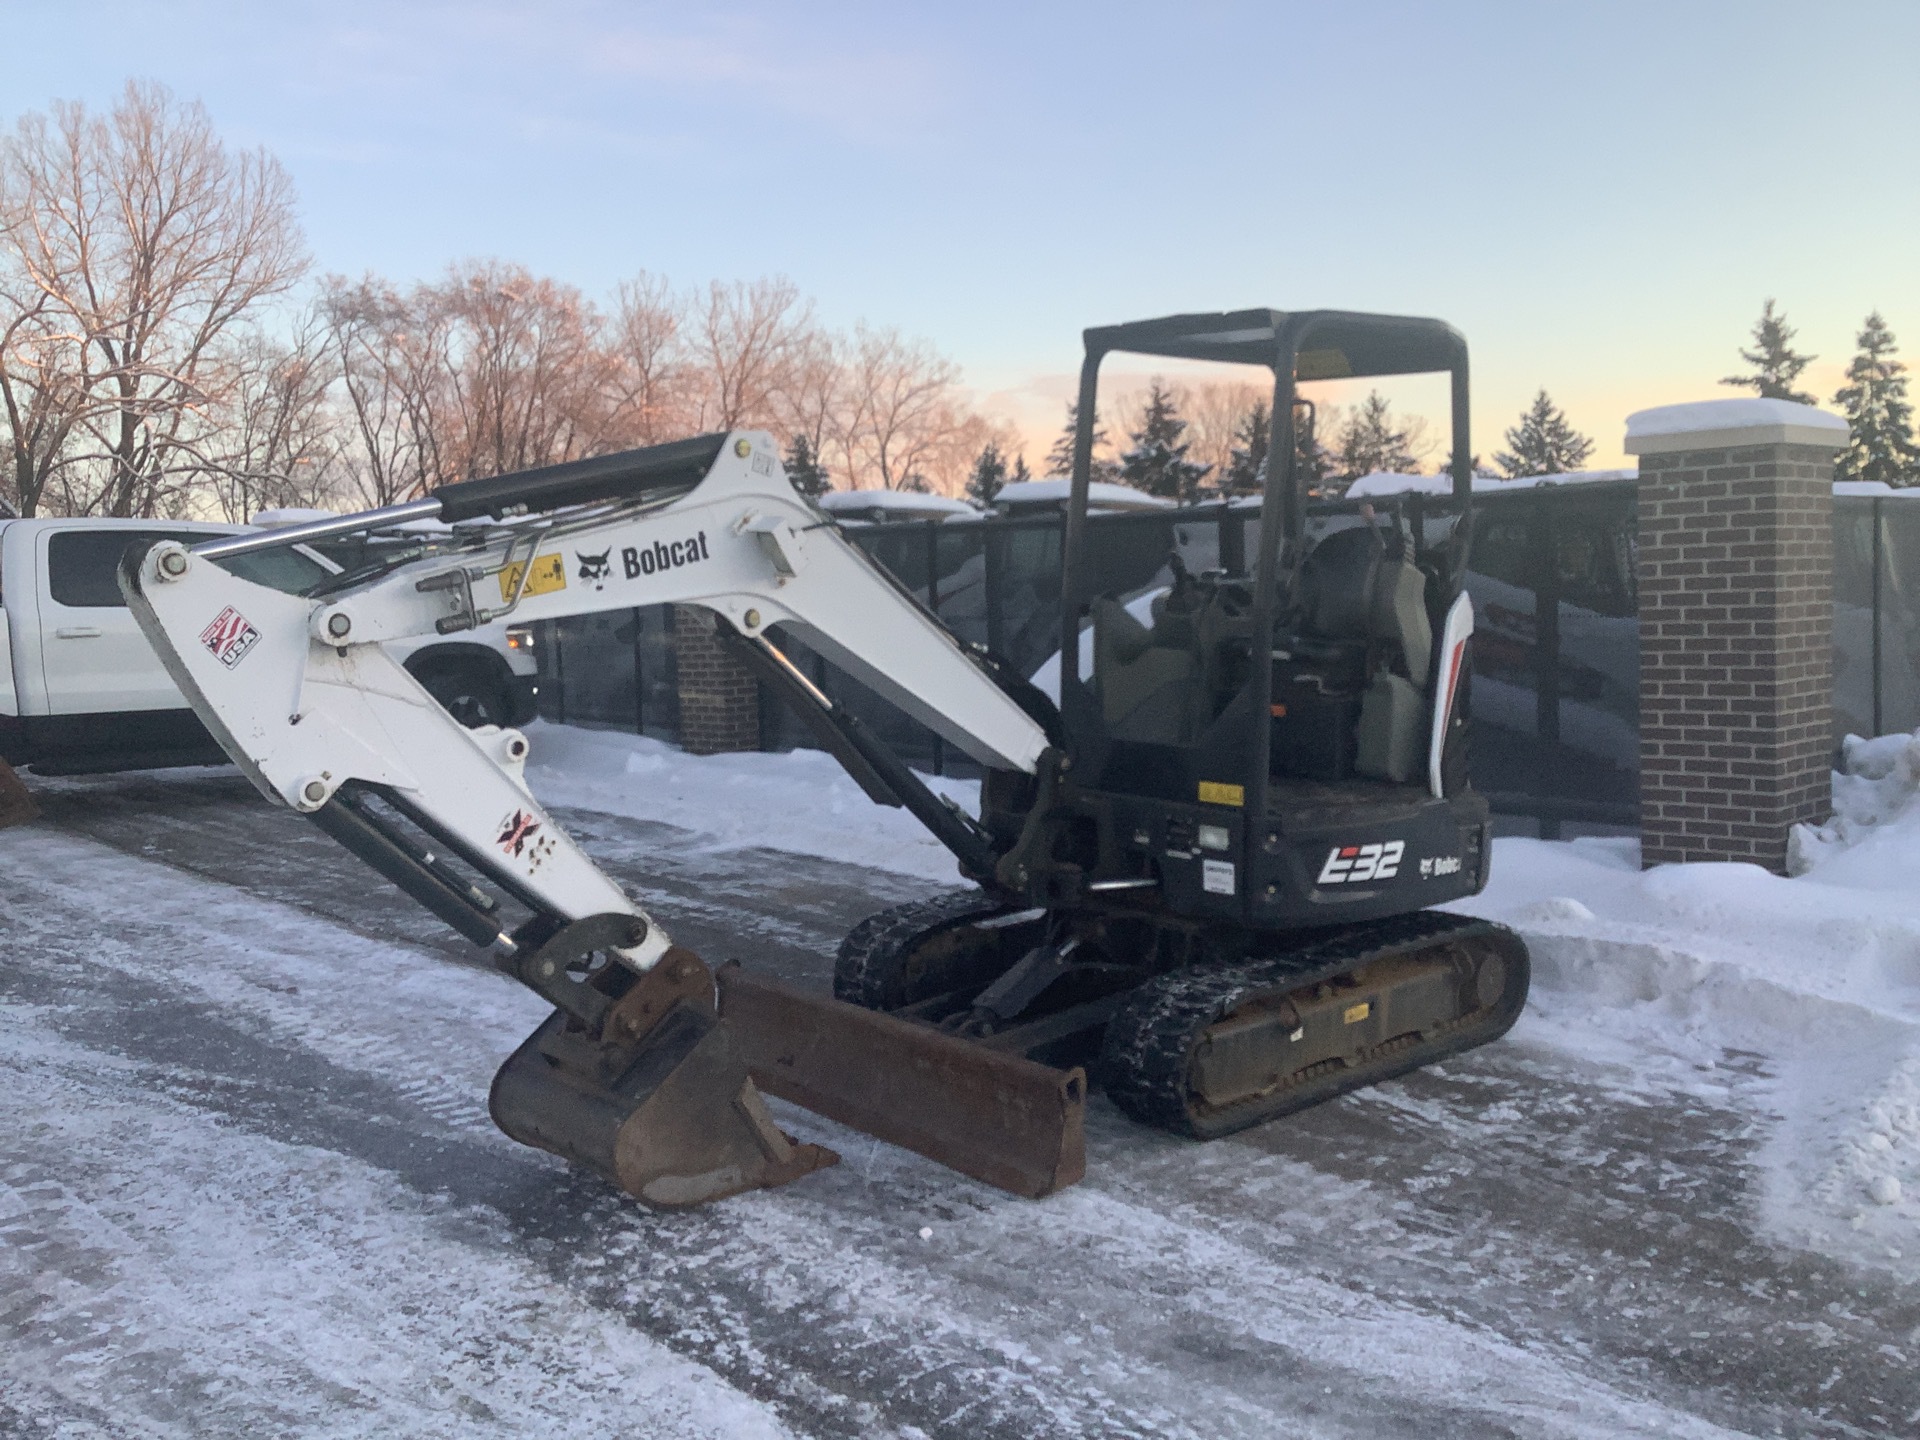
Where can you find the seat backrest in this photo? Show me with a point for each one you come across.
(1353, 590)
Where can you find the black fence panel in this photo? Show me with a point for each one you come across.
(1876, 614)
(613, 669)
(1557, 645)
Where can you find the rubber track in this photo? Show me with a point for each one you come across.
(1148, 1047)
(867, 957)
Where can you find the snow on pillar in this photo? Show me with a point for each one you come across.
(1736, 625)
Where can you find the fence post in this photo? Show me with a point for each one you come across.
(719, 697)
(1736, 625)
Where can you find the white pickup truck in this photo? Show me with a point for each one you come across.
(81, 691)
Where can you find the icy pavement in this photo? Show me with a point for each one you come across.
(248, 1184)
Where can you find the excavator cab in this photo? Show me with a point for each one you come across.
(1239, 730)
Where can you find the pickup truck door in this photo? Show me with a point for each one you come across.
(93, 657)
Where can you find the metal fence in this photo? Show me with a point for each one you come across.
(1557, 648)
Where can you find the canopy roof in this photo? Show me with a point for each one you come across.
(1334, 344)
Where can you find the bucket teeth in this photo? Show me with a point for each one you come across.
(656, 1098)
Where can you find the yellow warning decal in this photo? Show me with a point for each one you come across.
(1354, 1014)
(1215, 792)
(549, 574)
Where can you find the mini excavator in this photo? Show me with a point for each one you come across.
(1207, 875)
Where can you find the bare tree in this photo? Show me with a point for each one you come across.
(530, 382)
(146, 242)
(282, 440)
(742, 339)
(386, 368)
(652, 375)
(40, 397)
(900, 420)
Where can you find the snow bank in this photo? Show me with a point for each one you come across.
(800, 801)
(1391, 482)
(1684, 972)
(1873, 840)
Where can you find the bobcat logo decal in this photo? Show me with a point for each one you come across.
(595, 569)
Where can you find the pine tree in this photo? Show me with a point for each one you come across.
(1060, 457)
(1879, 415)
(1247, 462)
(1370, 442)
(989, 474)
(1021, 475)
(1158, 462)
(1311, 458)
(1776, 364)
(804, 469)
(1543, 443)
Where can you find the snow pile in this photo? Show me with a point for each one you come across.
(1804, 993)
(1392, 482)
(800, 801)
(1873, 839)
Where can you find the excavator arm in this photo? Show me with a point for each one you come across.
(637, 1074)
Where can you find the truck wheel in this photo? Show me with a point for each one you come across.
(469, 693)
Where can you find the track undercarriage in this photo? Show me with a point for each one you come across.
(1187, 1028)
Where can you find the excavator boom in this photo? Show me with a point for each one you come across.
(637, 1074)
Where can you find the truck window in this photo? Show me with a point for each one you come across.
(81, 565)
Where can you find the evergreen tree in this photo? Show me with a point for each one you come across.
(1247, 462)
(1880, 416)
(1776, 364)
(1158, 462)
(804, 469)
(1543, 443)
(1020, 474)
(1371, 442)
(1060, 457)
(1311, 458)
(989, 474)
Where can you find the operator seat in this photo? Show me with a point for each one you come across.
(1362, 628)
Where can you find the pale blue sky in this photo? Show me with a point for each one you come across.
(1600, 196)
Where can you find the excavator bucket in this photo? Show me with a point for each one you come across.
(16, 804)
(658, 1100)
(1003, 1119)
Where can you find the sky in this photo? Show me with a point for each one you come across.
(1598, 196)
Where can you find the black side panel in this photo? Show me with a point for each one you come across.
(129, 740)
(624, 476)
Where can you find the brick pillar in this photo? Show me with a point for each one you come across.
(719, 698)
(1736, 626)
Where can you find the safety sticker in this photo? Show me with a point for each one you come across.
(1216, 877)
(549, 574)
(230, 637)
(1354, 1014)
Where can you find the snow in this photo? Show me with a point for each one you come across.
(1101, 495)
(1387, 482)
(800, 801)
(1663, 970)
(893, 505)
(1875, 489)
(1750, 413)
(1820, 974)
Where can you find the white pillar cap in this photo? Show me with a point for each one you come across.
(1724, 424)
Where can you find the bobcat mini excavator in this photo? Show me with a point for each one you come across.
(1207, 875)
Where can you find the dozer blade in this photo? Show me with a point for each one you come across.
(16, 803)
(655, 1097)
(1002, 1119)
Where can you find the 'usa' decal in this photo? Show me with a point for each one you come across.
(230, 637)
